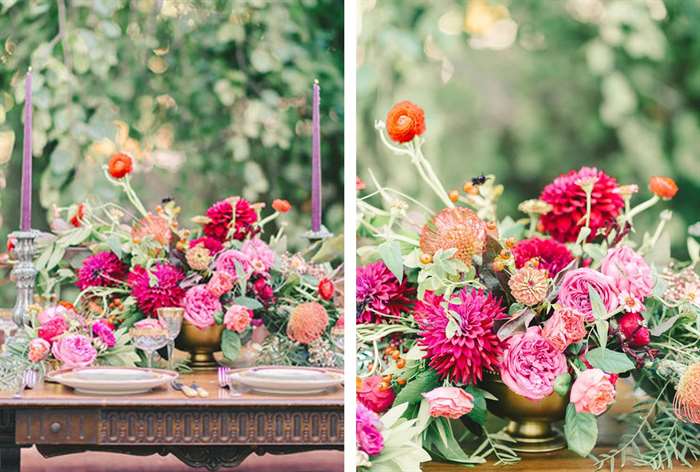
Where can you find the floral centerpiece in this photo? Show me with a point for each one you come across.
(225, 273)
(463, 317)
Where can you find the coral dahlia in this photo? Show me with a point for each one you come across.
(103, 269)
(474, 347)
(380, 294)
(568, 200)
(164, 291)
(458, 228)
(550, 255)
(221, 218)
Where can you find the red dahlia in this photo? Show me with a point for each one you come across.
(163, 291)
(568, 202)
(103, 269)
(551, 255)
(473, 348)
(379, 294)
(220, 215)
(213, 245)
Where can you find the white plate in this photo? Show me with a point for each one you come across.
(288, 380)
(113, 380)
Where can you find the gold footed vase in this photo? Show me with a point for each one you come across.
(201, 345)
(530, 420)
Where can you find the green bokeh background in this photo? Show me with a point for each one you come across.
(607, 83)
(217, 96)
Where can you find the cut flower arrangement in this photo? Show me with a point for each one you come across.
(281, 308)
(462, 315)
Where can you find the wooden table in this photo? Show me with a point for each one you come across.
(219, 431)
(610, 431)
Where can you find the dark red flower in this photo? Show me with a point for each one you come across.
(103, 269)
(326, 289)
(633, 329)
(162, 291)
(53, 328)
(379, 294)
(220, 215)
(213, 245)
(568, 200)
(263, 290)
(550, 255)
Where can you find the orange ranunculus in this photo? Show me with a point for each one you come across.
(77, 219)
(405, 121)
(664, 187)
(120, 165)
(282, 206)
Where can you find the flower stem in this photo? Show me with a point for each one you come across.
(642, 207)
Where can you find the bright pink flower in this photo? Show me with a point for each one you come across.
(38, 350)
(564, 327)
(629, 272)
(227, 260)
(103, 269)
(159, 289)
(53, 328)
(368, 434)
(531, 364)
(237, 318)
(592, 392)
(213, 245)
(574, 292)
(220, 283)
(201, 306)
(551, 255)
(450, 402)
(55, 311)
(74, 350)
(379, 295)
(259, 255)
(474, 347)
(220, 215)
(104, 331)
(374, 395)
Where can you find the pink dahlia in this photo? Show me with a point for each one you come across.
(221, 218)
(380, 294)
(473, 348)
(163, 291)
(568, 202)
(103, 269)
(213, 245)
(550, 255)
(369, 437)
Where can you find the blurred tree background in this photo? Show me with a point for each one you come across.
(528, 89)
(211, 97)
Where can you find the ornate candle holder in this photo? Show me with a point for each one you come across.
(24, 275)
(319, 235)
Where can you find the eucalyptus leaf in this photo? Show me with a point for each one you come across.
(581, 431)
(230, 344)
(610, 361)
(390, 252)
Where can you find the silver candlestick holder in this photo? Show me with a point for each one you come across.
(319, 235)
(24, 275)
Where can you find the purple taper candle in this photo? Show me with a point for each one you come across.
(316, 161)
(26, 215)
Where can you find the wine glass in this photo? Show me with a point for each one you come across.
(12, 370)
(171, 319)
(149, 338)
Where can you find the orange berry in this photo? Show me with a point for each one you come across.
(384, 386)
(401, 381)
(401, 363)
(454, 196)
(387, 378)
(395, 355)
(510, 243)
(663, 187)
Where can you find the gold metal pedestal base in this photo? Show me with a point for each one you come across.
(535, 437)
(201, 344)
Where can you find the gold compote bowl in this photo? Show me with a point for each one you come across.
(201, 344)
(530, 420)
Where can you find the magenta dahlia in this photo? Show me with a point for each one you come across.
(221, 216)
(380, 294)
(103, 269)
(163, 291)
(568, 202)
(214, 246)
(473, 348)
(551, 255)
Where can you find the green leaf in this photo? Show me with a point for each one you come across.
(230, 344)
(601, 328)
(479, 412)
(599, 310)
(248, 302)
(562, 384)
(581, 430)
(609, 361)
(390, 252)
(424, 382)
(56, 257)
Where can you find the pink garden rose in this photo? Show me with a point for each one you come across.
(38, 350)
(52, 312)
(259, 255)
(592, 392)
(564, 327)
(531, 364)
(74, 350)
(450, 402)
(226, 262)
(368, 435)
(237, 318)
(574, 291)
(629, 272)
(220, 283)
(376, 398)
(53, 328)
(201, 306)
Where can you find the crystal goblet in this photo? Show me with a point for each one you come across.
(149, 338)
(171, 319)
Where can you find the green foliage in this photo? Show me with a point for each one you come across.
(610, 361)
(581, 430)
(212, 98)
(230, 344)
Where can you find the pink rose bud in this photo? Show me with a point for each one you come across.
(450, 402)
(564, 327)
(38, 350)
(592, 392)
